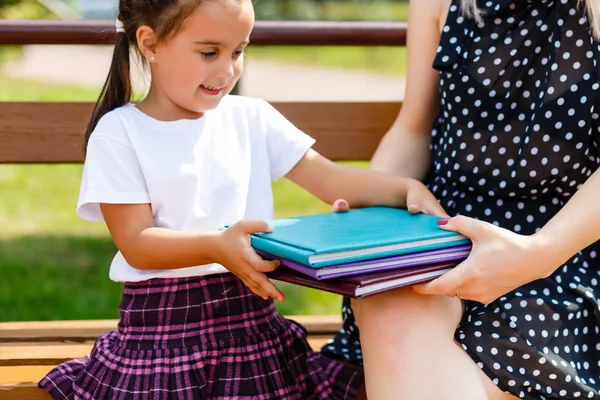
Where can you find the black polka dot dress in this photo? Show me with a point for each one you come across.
(516, 136)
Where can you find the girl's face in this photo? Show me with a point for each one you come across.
(196, 67)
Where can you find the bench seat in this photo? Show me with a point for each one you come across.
(28, 350)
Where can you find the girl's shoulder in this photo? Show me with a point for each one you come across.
(112, 125)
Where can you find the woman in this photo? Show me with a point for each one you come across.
(512, 101)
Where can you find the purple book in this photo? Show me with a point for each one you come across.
(430, 257)
(364, 285)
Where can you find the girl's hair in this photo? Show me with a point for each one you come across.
(470, 8)
(165, 17)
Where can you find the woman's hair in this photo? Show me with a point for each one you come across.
(470, 8)
(165, 17)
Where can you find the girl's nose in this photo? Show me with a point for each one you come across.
(226, 69)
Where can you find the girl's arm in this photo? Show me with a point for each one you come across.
(404, 150)
(145, 246)
(361, 187)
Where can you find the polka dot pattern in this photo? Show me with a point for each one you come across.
(517, 135)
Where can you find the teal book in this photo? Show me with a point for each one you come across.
(360, 234)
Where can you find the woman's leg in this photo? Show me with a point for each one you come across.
(409, 350)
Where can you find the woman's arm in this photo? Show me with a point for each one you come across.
(404, 150)
(502, 261)
(574, 227)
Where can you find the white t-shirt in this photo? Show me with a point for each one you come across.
(198, 175)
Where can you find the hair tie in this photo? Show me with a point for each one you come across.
(119, 27)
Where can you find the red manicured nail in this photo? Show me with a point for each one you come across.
(342, 204)
(442, 221)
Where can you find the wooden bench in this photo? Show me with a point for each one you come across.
(28, 350)
(51, 133)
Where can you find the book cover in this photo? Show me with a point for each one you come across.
(359, 286)
(457, 253)
(360, 234)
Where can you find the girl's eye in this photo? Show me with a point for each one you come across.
(209, 54)
(238, 53)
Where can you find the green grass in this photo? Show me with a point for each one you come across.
(389, 60)
(379, 59)
(344, 10)
(30, 90)
(333, 10)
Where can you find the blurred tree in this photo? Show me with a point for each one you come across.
(5, 3)
(19, 9)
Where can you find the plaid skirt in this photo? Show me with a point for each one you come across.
(201, 338)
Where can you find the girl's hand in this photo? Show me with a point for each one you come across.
(500, 262)
(418, 200)
(235, 253)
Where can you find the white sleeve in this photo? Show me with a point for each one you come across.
(111, 174)
(286, 144)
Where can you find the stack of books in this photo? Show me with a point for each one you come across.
(360, 252)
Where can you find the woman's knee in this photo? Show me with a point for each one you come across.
(404, 308)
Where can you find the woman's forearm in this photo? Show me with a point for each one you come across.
(575, 226)
(403, 153)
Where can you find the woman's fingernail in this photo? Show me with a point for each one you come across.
(342, 204)
(442, 221)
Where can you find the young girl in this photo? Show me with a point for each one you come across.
(197, 316)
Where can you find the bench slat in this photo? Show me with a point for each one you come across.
(53, 353)
(44, 353)
(86, 330)
(19, 375)
(51, 132)
(20, 383)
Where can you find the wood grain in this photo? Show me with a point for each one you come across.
(314, 33)
(32, 132)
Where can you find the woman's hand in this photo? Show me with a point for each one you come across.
(235, 253)
(500, 262)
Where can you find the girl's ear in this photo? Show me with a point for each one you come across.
(146, 41)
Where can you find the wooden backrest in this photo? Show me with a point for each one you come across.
(52, 132)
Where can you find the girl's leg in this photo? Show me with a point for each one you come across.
(409, 350)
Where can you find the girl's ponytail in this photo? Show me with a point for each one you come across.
(116, 91)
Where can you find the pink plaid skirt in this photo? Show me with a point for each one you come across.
(201, 338)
